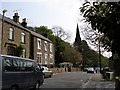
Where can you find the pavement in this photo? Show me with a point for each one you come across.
(97, 82)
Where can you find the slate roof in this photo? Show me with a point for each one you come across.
(10, 21)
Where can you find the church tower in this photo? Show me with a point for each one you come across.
(77, 39)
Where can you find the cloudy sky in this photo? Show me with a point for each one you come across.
(64, 13)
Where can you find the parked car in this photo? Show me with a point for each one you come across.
(47, 72)
(85, 69)
(19, 73)
(90, 70)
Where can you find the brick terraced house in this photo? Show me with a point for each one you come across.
(35, 46)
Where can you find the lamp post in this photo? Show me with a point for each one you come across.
(2, 30)
(1, 47)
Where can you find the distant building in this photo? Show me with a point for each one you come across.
(77, 38)
(42, 49)
(35, 46)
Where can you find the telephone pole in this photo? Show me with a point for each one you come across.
(99, 53)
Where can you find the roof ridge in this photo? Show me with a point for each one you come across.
(9, 20)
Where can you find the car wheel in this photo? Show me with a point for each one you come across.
(14, 88)
(37, 85)
(50, 75)
(43, 76)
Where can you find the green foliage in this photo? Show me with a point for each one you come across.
(72, 55)
(90, 57)
(63, 50)
(43, 30)
(104, 61)
(105, 17)
(19, 50)
(59, 48)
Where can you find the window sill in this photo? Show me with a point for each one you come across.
(23, 42)
(45, 50)
(11, 39)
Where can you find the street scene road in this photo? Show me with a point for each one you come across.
(76, 42)
(76, 80)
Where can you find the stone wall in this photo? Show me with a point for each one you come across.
(17, 39)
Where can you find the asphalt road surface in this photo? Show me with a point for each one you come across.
(67, 80)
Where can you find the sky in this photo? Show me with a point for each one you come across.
(64, 13)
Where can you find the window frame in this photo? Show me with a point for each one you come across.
(39, 57)
(11, 34)
(8, 67)
(23, 36)
(51, 47)
(11, 64)
(39, 43)
(51, 58)
(46, 45)
(46, 58)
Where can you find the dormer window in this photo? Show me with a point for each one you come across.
(23, 37)
(11, 34)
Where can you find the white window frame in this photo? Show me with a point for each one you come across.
(51, 58)
(46, 58)
(46, 44)
(11, 33)
(39, 58)
(39, 43)
(51, 47)
(23, 37)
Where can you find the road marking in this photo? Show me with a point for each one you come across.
(84, 85)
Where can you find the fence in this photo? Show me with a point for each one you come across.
(60, 70)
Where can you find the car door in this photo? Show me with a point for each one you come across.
(8, 75)
(30, 75)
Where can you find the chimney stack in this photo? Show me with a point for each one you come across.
(16, 17)
(24, 23)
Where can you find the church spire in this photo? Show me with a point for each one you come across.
(77, 39)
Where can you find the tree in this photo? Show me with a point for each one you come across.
(104, 17)
(48, 33)
(59, 48)
(59, 32)
(19, 50)
(70, 54)
(58, 36)
(60, 44)
(89, 56)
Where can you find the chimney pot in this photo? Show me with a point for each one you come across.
(16, 17)
(24, 23)
(15, 14)
(24, 20)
